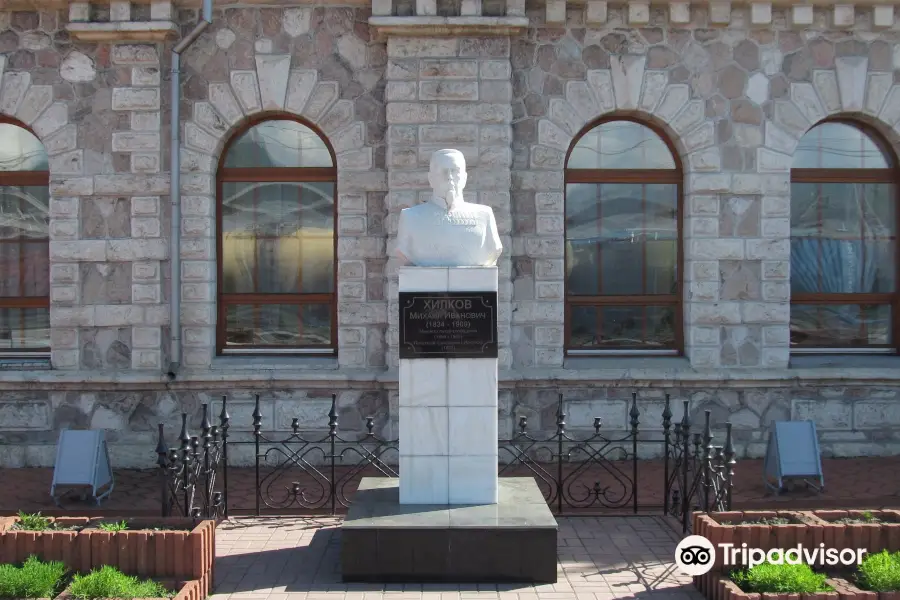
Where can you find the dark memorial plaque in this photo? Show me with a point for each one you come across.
(448, 324)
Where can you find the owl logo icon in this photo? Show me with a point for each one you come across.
(695, 555)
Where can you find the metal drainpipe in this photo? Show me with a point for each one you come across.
(175, 186)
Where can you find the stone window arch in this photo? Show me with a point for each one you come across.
(276, 243)
(844, 241)
(24, 242)
(623, 205)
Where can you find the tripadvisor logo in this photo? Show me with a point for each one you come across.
(695, 555)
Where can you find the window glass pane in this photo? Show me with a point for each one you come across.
(278, 325)
(611, 225)
(838, 146)
(24, 248)
(20, 150)
(24, 328)
(623, 327)
(279, 144)
(840, 325)
(842, 238)
(621, 145)
(584, 327)
(278, 238)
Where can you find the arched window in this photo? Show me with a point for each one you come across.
(277, 184)
(24, 243)
(623, 242)
(843, 241)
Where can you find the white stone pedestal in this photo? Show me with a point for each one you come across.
(448, 409)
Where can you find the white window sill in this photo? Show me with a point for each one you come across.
(274, 362)
(25, 364)
(578, 363)
(844, 361)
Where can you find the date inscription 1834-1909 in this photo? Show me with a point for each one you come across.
(448, 324)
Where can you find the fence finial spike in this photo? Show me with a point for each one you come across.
(224, 417)
(162, 449)
(257, 417)
(560, 418)
(635, 413)
(333, 416)
(185, 438)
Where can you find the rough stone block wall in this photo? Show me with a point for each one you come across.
(320, 64)
(733, 92)
(450, 93)
(107, 250)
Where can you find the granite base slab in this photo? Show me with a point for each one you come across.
(512, 541)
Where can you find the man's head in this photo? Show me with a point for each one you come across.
(447, 174)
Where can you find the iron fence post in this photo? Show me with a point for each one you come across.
(257, 422)
(667, 423)
(224, 419)
(685, 459)
(729, 466)
(206, 428)
(707, 452)
(162, 453)
(676, 467)
(332, 433)
(635, 416)
(560, 434)
(185, 463)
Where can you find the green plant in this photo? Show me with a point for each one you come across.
(33, 522)
(34, 579)
(109, 582)
(780, 579)
(880, 572)
(120, 526)
(767, 521)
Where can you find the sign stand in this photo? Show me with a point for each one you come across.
(793, 453)
(82, 461)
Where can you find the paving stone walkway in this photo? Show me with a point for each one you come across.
(600, 558)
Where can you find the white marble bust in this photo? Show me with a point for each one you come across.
(447, 231)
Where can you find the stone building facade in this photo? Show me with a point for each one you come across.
(731, 88)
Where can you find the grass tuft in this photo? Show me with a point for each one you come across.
(109, 582)
(780, 579)
(34, 579)
(880, 572)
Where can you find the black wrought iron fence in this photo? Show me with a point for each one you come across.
(577, 473)
(702, 478)
(189, 473)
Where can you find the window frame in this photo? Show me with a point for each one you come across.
(27, 179)
(890, 175)
(274, 174)
(627, 176)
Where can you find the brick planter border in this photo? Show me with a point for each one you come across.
(184, 555)
(70, 547)
(187, 590)
(873, 537)
(719, 587)
(810, 531)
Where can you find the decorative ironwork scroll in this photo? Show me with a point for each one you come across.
(577, 473)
